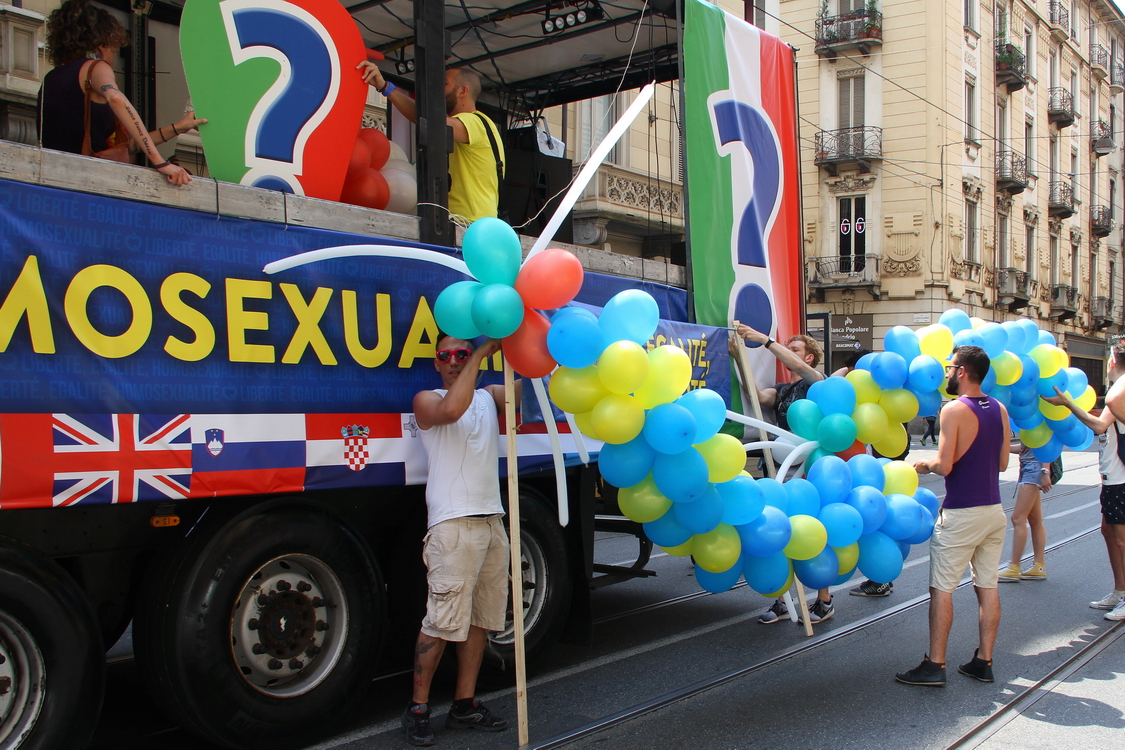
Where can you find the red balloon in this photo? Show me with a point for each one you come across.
(854, 449)
(550, 279)
(526, 349)
(367, 188)
(379, 145)
(361, 157)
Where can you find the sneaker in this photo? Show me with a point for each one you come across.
(477, 717)
(820, 611)
(1010, 573)
(927, 674)
(1109, 601)
(1035, 573)
(416, 723)
(978, 668)
(1117, 613)
(870, 588)
(775, 613)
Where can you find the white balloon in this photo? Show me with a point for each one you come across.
(402, 164)
(404, 191)
(397, 153)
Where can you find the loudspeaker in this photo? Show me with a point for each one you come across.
(533, 180)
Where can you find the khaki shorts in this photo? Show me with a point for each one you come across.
(967, 536)
(467, 564)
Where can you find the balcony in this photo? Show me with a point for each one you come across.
(844, 272)
(1060, 199)
(1015, 288)
(1060, 107)
(1011, 66)
(1064, 302)
(860, 29)
(847, 146)
(1101, 139)
(1101, 312)
(1116, 78)
(1011, 172)
(1101, 220)
(1058, 18)
(1099, 61)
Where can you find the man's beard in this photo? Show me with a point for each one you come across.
(952, 386)
(450, 102)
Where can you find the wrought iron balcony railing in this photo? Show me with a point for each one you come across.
(862, 145)
(1116, 77)
(1099, 60)
(1011, 66)
(858, 29)
(1060, 106)
(1060, 199)
(844, 270)
(1011, 172)
(1101, 220)
(1059, 18)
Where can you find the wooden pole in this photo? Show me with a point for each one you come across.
(514, 542)
(750, 385)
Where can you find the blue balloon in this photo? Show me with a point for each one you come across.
(631, 315)
(995, 339)
(1030, 332)
(816, 455)
(903, 548)
(709, 410)
(904, 514)
(702, 515)
(1046, 337)
(669, 429)
(666, 531)
(1059, 426)
(928, 500)
(872, 507)
(845, 577)
(834, 395)
(626, 464)
(888, 370)
(1025, 413)
(1033, 420)
(766, 573)
(866, 469)
(926, 373)
(1029, 378)
(864, 362)
(968, 337)
(928, 403)
(1086, 442)
(717, 583)
(843, 523)
(879, 557)
(925, 529)
(766, 535)
(682, 477)
(1048, 452)
(902, 341)
(742, 500)
(1076, 381)
(989, 381)
(453, 309)
(1023, 394)
(575, 339)
(1017, 339)
(1076, 438)
(492, 251)
(1047, 385)
(955, 320)
(883, 460)
(832, 479)
(804, 500)
(497, 310)
(774, 494)
(1002, 393)
(820, 571)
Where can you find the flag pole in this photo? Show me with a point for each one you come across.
(516, 574)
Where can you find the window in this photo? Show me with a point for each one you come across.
(1093, 293)
(1029, 145)
(1032, 253)
(1054, 254)
(759, 14)
(850, 103)
(596, 116)
(1053, 156)
(1074, 92)
(971, 210)
(1002, 241)
(1074, 266)
(853, 234)
(1112, 198)
(1001, 125)
(1029, 49)
(1112, 278)
(970, 14)
(970, 111)
(1113, 121)
(1074, 174)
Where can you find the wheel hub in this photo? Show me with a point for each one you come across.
(290, 620)
(22, 673)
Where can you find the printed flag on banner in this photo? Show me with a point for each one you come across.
(742, 159)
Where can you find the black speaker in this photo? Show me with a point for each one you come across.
(534, 185)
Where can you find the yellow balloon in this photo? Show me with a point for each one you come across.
(936, 340)
(725, 457)
(669, 372)
(585, 424)
(781, 591)
(1050, 411)
(809, 538)
(942, 388)
(1045, 358)
(894, 442)
(899, 404)
(718, 549)
(642, 502)
(618, 419)
(623, 367)
(848, 556)
(870, 422)
(1038, 436)
(1087, 400)
(1008, 368)
(681, 550)
(866, 389)
(977, 323)
(900, 478)
(1062, 357)
(576, 391)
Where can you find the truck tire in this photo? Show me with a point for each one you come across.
(546, 590)
(262, 630)
(48, 636)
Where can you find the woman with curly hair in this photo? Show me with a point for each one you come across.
(77, 31)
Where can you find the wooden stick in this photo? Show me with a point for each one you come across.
(514, 543)
(751, 387)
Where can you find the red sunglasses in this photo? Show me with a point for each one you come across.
(446, 354)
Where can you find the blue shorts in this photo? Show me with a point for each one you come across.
(1030, 470)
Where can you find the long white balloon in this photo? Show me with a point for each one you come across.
(789, 436)
(556, 449)
(798, 453)
(382, 251)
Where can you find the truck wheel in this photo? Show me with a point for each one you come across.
(260, 634)
(48, 637)
(546, 592)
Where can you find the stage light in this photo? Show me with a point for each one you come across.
(570, 19)
(576, 17)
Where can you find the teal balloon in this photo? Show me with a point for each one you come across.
(492, 251)
(879, 557)
(631, 315)
(804, 417)
(866, 470)
(453, 309)
(804, 500)
(717, 583)
(742, 500)
(833, 395)
(818, 453)
(766, 573)
(575, 339)
(709, 410)
(836, 432)
(766, 535)
(497, 310)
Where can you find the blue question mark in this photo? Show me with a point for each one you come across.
(300, 99)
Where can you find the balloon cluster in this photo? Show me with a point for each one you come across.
(379, 175)
(503, 299)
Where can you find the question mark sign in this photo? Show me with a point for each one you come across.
(301, 97)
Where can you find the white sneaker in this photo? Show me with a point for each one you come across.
(1118, 612)
(1109, 601)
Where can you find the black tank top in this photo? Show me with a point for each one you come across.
(62, 103)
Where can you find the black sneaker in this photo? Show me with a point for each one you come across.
(927, 674)
(978, 669)
(416, 723)
(820, 611)
(775, 613)
(870, 588)
(477, 717)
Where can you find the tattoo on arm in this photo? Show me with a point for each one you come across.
(109, 86)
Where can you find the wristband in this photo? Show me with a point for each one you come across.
(386, 90)
(160, 166)
(174, 129)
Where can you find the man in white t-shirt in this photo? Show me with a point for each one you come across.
(1112, 440)
(466, 547)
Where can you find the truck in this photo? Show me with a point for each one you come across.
(224, 459)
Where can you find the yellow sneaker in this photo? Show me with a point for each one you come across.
(1035, 573)
(1010, 574)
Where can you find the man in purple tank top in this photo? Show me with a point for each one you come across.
(972, 451)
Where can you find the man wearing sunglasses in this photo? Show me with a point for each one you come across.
(465, 548)
(972, 451)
